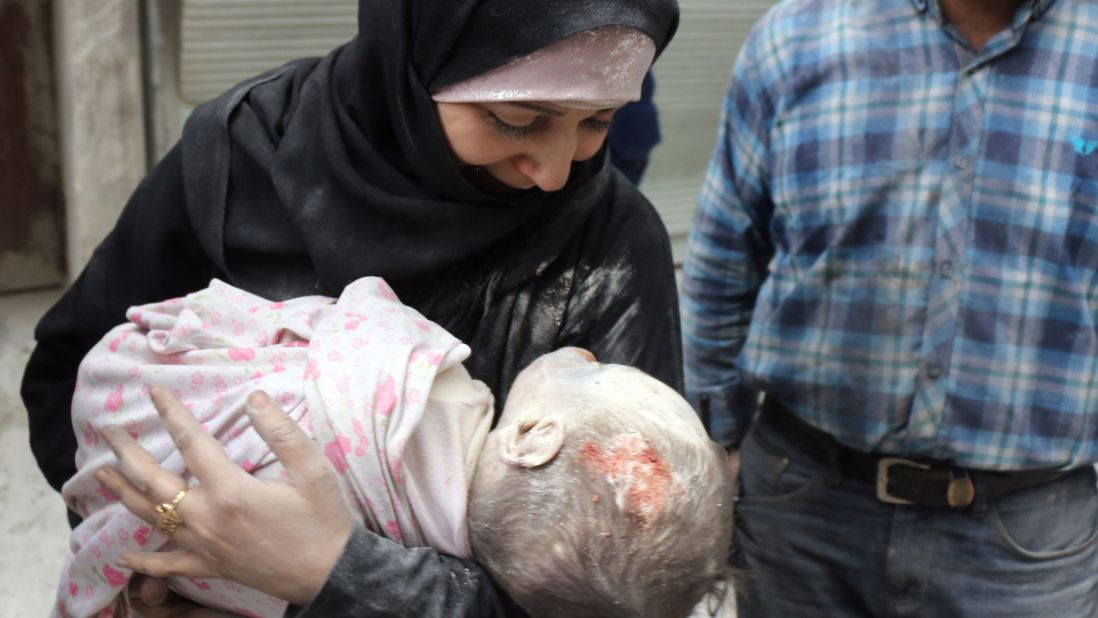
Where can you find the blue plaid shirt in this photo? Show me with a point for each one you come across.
(898, 235)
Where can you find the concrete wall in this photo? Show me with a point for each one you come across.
(31, 205)
(97, 45)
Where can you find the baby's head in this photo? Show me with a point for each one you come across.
(600, 494)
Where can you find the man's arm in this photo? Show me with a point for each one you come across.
(728, 252)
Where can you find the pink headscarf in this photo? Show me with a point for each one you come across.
(595, 69)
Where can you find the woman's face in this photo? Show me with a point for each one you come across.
(523, 144)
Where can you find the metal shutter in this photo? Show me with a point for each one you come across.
(223, 42)
(691, 79)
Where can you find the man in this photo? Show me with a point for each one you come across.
(897, 246)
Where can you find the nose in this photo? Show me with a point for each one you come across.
(549, 163)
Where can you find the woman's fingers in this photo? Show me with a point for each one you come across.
(143, 472)
(143, 507)
(130, 497)
(205, 457)
(181, 563)
(296, 451)
(295, 531)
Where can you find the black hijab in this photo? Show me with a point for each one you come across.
(322, 171)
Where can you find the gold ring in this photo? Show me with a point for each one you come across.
(169, 517)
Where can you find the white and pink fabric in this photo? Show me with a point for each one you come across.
(377, 385)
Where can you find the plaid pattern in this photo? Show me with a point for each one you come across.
(898, 236)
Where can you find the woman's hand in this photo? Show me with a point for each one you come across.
(280, 537)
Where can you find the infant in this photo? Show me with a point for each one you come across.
(598, 493)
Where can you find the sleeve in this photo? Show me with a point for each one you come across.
(151, 254)
(728, 252)
(377, 577)
(623, 307)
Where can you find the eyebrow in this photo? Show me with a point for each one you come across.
(549, 110)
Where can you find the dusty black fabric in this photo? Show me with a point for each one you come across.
(315, 174)
(369, 562)
(342, 163)
(611, 290)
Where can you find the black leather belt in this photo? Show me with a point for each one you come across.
(928, 483)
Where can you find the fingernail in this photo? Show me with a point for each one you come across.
(109, 432)
(256, 400)
(102, 475)
(122, 562)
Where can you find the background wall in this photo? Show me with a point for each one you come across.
(101, 106)
(31, 202)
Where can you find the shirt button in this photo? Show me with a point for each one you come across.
(946, 269)
(960, 161)
(933, 370)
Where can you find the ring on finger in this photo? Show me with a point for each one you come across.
(169, 516)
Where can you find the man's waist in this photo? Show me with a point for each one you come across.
(900, 480)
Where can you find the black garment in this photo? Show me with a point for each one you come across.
(610, 290)
(369, 563)
(323, 171)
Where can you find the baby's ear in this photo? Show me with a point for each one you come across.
(529, 444)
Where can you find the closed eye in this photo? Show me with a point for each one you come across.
(516, 130)
(596, 125)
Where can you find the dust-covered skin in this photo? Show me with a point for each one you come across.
(607, 477)
(559, 391)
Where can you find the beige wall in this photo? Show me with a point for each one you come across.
(97, 48)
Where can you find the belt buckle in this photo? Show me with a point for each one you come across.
(883, 466)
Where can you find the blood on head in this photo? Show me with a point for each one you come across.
(639, 475)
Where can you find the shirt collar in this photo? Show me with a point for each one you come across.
(1038, 7)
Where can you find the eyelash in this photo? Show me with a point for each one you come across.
(516, 131)
(599, 126)
(539, 124)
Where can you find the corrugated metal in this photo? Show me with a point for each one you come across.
(691, 79)
(226, 41)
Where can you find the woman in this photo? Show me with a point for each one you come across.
(497, 218)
